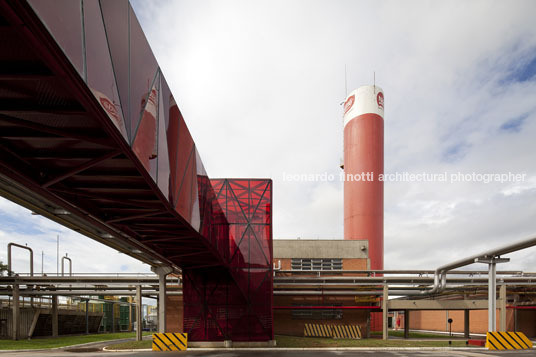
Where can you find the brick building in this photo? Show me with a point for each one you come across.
(302, 255)
(293, 308)
(298, 256)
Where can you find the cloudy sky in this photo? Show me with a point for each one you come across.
(260, 84)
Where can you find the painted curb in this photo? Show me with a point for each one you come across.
(71, 346)
(317, 349)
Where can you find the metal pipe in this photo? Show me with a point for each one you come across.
(9, 270)
(345, 293)
(327, 307)
(278, 267)
(84, 279)
(490, 254)
(11, 244)
(87, 292)
(401, 271)
(63, 265)
(339, 293)
(522, 307)
(38, 280)
(390, 280)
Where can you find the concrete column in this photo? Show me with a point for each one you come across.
(406, 323)
(129, 316)
(466, 329)
(162, 272)
(385, 312)
(16, 312)
(502, 307)
(492, 297)
(138, 313)
(516, 299)
(87, 317)
(113, 317)
(54, 316)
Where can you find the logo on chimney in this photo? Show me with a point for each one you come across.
(379, 99)
(349, 103)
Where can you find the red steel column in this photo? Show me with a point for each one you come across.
(363, 163)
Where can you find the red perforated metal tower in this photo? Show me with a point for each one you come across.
(363, 163)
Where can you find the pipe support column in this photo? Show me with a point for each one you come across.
(162, 272)
(139, 326)
(502, 307)
(385, 312)
(492, 297)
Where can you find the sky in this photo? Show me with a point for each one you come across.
(260, 83)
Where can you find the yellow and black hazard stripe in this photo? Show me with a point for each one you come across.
(346, 331)
(503, 340)
(336, 331)
(170, 341)
(317, 330)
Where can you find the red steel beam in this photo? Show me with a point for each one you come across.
(82, 167)
(53, 131)
(327, 307)
(129, 218)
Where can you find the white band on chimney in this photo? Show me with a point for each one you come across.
(364, 100)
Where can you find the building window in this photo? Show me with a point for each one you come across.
(317, 314)
(316, 264)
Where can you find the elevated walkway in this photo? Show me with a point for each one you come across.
(92, 138)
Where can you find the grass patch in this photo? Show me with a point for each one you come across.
(292, 341)
(400, 333)
(131, 345)
(42, 343)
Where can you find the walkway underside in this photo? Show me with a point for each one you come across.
(60, 152)
(91, 137)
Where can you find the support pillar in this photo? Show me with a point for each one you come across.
(138, 313)
(54, 316)
(492, 288)
(130, 316)
(502, 308)
(16, 312)
(492, 297)
(113, 317)
(466, 328)
(406, 323)
(516, 299)
(162, 272)
(385, 312)
(87, 317)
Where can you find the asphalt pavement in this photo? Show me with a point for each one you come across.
(280, 353)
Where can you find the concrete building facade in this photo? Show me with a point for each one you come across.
(332, 257)
(306, 257)
(294, 254)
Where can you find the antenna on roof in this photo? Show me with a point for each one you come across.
(374, 82)
(345, 83)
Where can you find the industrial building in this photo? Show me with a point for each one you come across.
(93, 139)
(304, 257)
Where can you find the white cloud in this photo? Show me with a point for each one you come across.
(18, 225)
(259, 84)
